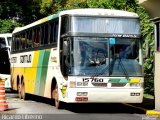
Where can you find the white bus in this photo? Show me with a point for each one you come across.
(5, 47)
(80, 56)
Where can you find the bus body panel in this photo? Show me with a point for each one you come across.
(38, 69)
(5, 74)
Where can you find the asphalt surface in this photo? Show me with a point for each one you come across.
(42, 108)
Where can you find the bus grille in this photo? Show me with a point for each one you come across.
(99, 84)
(118, 84)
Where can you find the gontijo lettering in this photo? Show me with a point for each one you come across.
(14, 60)
(26, 58)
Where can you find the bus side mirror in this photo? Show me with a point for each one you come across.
(65, 47)
(9, 48)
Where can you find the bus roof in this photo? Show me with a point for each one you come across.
(99, 11)
(82, 12)
(6, 35)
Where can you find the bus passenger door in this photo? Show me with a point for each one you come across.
(64, 57)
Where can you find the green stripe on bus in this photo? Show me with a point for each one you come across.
(44, 72)
(39, 72)
(52, 17)
(118, 80)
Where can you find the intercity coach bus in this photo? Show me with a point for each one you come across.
(80, 56)
(5, 47)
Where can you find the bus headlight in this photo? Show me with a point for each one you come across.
(72, 84)
(135, 82)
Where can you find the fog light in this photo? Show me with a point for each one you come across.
(137, 94)
(132, 94)
(79, 93)
(85, 93)
(82, 93)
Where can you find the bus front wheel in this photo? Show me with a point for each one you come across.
(55, 96)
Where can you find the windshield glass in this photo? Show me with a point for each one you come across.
(9, 40)
(104, 57)
(2, 42)
(105, 25)
(124, 57)
(90, 55)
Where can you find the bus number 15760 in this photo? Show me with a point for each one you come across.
(97, 80)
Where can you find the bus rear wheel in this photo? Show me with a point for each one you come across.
(19, 90)
(23, 94)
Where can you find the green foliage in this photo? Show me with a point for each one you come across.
(17, 13)
(147, 28)
(46, 7)
(7, 26)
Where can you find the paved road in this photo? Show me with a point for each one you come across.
(45, 110)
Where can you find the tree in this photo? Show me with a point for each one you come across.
(7, 26)
(18, 13)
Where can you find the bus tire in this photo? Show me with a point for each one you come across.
(19, 90)
(55, 97)
(23, 94)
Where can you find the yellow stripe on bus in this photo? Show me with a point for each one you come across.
(135, 80)
(44, 20)
(31, 74)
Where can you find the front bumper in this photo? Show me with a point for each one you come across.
(105, 95)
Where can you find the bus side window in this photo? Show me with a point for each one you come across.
(36, 38)
(18, 42)
(13, 44)
(46, 34)
(2, 42)
(64, 25)
(23, 40)
(52, 25)
(29, 39)
(56, 31)
(42, 34)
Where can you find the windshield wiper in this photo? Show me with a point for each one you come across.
(123, 68)
(96, 73)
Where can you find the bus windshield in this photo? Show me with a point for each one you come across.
(2, 42)
(91, 56)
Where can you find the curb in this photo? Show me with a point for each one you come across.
(153, 113)
(143, 109)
